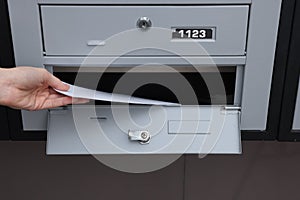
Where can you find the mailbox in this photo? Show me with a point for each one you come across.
(214, 57)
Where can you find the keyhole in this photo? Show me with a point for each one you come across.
(144, 24)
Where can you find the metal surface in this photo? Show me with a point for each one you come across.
(188, 126)
(26, 35)
(141, 60)
(62, 40)
(142, 136)
(34, 120)
(74, 132)
(259, 64)
(144, 23)
(149, 2)
(24, 57)
(238, 85)
(296, 122)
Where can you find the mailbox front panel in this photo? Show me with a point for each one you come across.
(76, 30)
(173, 130)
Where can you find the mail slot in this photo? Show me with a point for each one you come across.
(200, 93)
(222, 49)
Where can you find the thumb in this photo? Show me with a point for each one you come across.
(57, 84)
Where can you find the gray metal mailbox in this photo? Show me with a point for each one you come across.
(235, 36)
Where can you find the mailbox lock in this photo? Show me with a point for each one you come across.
(141, 136)
(144, 23)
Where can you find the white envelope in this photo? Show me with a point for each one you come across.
(80, 92)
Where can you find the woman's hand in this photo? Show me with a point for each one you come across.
(31, 88)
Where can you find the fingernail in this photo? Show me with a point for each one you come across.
(66, 86)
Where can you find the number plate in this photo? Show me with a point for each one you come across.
(193, 33)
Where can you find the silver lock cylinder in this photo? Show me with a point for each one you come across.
(144, 23)
(141, 136)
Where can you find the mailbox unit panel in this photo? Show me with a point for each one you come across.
(74, 30)
(61, 34)
(173, 130)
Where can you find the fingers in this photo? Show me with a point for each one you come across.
(56, 83)
(56, 96)
(62, 101)
(53, 103)
(80, 100)
(52, 92)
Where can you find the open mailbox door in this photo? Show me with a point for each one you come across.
(136, 129)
